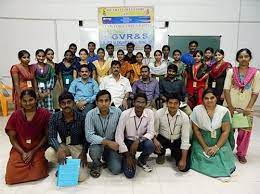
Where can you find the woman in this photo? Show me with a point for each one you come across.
(209, 57)
(241, 89)
(218, 74)
(197, 80)
(22, 76)
(45, 78)
(136, 68)
(213, 139)
(102, 66)
(126, 68)
(27, 130)
(158, 68)
(83, 55)
(181, 66)
(67, 70)
(49, 53)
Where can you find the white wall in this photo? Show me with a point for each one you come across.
(33, 24)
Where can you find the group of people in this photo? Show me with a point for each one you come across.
(113, 107)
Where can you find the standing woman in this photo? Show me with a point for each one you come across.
(197, 80)
(158, 67)
(57, 87)
(209, 59)
(241, 89)
(27, 130)
(102, 66)
(181, 66)
(218, 74)
(83, 55)
(67, 70)
(126, 68)
(45, 78)
(136, 67)
(22, 77)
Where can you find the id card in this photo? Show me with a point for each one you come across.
(213, 134)
(214, 84)
(28, 141)
(172, 138)
(68, 140)
(29, 84)
(67, 81)
(194, 84)
(157, 78)
(41, 71)
(41, 85)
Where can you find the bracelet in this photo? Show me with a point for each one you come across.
(216, 147)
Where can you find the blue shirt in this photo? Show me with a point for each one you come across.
(84, 91)
(98, 128)
(187, 58)
(93, 58)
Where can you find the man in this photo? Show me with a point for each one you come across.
(187, 58)
(73, 48)
(110, 51)
(130, 57)
(135, 132)
(147, 85)
(100, 127)
(148, 58)
(69, 125)
(166, 58)
(91, 55)
(173, 130)
(117, 85)
(84, 90)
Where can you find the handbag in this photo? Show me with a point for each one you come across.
(241, 121)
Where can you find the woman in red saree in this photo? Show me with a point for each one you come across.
(27, 130)
(197, 80)
(218, 74)
(22, 77)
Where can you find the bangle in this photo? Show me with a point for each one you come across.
(216, 147)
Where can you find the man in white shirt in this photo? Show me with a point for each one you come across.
(135, 131)
(118, 86)
(110, 51)
(147, 55)
(173, 130)
(166, 52)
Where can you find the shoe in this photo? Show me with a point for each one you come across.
(160, 159)
(224, 179)
(145, 167)
(242, 159)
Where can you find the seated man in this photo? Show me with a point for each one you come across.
(69, 125)
(100, 128)
(172, 84)
(84, 90)
(118, 86)
(135, 132)
(173, 131)
(147, 85)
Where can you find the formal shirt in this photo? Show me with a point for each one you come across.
(98, 128)
(132, 127)
(148, 60)
(74, 129)
(173, 127)
(150, 88)
(117, 88)
(90, 59)
(112, 58)
(174, 85)
(169, 60)
(84, 91)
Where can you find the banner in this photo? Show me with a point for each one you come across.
(120, 25)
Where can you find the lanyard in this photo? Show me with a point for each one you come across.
(137, 127)
(172, 130)
(104, 129)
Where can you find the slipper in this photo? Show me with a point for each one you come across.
(95, 172)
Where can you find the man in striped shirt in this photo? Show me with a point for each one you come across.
(100, 128)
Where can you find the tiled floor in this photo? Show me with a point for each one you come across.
(163, 179)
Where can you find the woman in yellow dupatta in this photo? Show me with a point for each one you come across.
(102, 66)
(136, 68)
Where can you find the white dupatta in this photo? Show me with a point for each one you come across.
(200, 117)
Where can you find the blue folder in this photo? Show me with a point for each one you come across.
(68, 174)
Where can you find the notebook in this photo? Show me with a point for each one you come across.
(68, 174)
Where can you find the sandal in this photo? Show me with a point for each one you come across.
(95, 172)
(242, 159)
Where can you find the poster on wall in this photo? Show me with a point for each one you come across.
(120, 25)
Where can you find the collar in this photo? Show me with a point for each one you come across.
(132, 113)
(174, 79)
(111, 111)
(178, 113)
(61, 116)
(112, 77)
(88, 81)
(149, 80)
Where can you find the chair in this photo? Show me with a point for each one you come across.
(5, 98)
